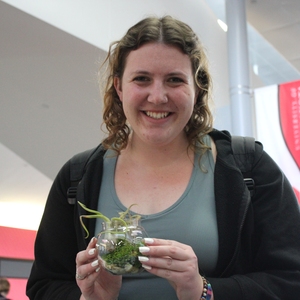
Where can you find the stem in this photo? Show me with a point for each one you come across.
(97, 214)
(106, 219)
(119, 220)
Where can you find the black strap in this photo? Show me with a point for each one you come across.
(78, 165)
(243, 148)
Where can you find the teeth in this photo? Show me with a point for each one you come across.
(157, 115)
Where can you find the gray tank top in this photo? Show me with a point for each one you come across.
(190, 220)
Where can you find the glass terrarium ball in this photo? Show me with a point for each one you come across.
(119, 244)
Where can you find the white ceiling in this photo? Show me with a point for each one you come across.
(273, 37)
(278, 21)
(60, 93)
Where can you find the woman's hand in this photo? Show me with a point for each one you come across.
(175, 262)
(93, 280)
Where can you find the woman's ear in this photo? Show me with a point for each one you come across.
(118, 87)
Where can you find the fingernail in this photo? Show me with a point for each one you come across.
(144, 249)
(92, 239)
(143, 258)
(97, 270)
(148, 240)
(92, 251)
(147, 267)
(95, 263)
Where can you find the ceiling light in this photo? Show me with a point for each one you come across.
(223, 25)
(255, 69)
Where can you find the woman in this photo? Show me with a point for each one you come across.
(207, 239)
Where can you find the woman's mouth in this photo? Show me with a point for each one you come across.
(157, 115)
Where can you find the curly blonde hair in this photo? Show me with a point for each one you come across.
(169, 31)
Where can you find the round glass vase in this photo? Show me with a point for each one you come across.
(119, 243)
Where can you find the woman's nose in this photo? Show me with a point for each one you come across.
(157, 94)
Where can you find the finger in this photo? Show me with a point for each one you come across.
(87, 261)
(170, 250)
(155, 241)
(172, 270)
(88, 272)
(87, 283)
(84, 271)
(163, 242)
(167, 263)
(89, 254)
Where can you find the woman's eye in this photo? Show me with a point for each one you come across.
(141, 78)
(175, 79)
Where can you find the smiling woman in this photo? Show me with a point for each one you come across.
(207, 237)
(158, 94)
(192, 71)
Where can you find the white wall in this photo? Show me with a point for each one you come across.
(99, 22)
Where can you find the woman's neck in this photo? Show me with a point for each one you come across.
(156, 156)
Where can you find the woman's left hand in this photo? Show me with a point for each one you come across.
(175, 262)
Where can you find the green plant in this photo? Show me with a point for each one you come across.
(119, 242)
(124, 217)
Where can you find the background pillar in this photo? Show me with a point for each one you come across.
(238, 60)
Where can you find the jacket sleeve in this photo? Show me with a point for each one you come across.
(53, 272)
(270, 268)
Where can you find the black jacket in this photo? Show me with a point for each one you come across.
(259, 238)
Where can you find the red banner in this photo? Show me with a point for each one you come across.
(277, 110)
(289, 111)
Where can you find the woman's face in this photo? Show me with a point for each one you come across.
(158, 93)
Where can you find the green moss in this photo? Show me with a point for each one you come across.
(124, 253)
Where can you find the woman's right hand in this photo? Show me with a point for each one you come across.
(93, 280)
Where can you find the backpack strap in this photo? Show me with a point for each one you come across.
(243, 148)
(78, 165)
